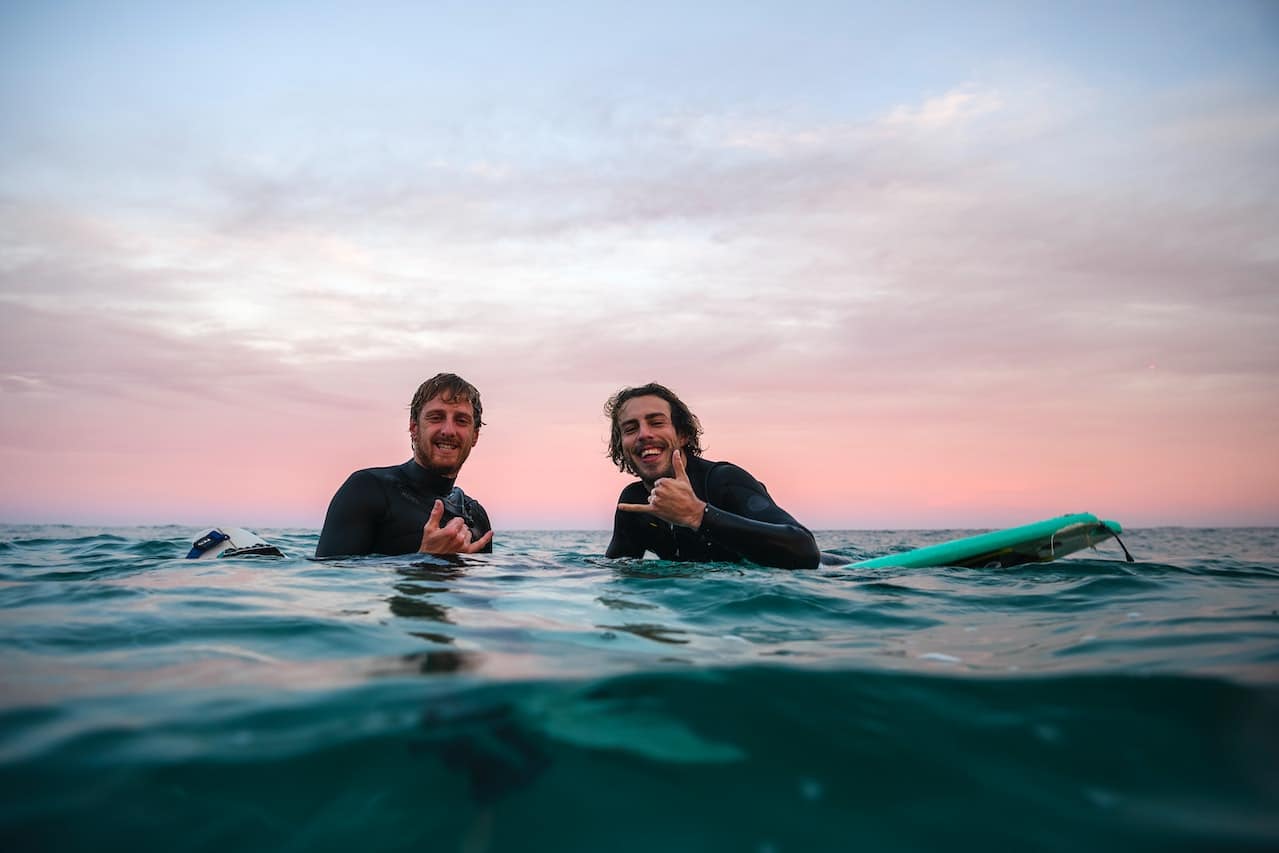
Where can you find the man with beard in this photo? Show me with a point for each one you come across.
(414, 507)
(685, 507)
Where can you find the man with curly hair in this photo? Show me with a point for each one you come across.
(685, 507)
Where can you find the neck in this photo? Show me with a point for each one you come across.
(416, 467)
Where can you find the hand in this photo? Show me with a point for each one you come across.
(451, 538)
(672, 498)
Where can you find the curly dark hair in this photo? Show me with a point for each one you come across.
(686, 424)
(451, 388)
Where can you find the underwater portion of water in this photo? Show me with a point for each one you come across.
(544, 698)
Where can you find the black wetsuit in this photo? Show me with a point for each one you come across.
(741, 523)
(383, 511)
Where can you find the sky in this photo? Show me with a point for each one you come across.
(937, 265)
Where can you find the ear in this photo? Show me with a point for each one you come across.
(413, 428)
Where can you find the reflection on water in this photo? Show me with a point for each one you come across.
(413, 602)
(623, 604)
(417, 608)
(489, 744)
(659, 633)
(432, 662)
(431, 637)
(452, 568)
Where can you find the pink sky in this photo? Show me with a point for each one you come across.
(967, 288)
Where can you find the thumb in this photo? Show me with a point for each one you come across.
(681, 468)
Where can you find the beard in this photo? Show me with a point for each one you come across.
(633, 461)
(424, 459)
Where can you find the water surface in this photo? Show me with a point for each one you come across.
(545, 698)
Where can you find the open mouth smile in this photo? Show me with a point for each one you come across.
(650, 453)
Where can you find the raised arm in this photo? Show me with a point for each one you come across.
(738, 515)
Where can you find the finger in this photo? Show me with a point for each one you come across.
(437, 512)
(479, 544)
(681, 469)
(461, 539)
(635, 507)
(456, 528)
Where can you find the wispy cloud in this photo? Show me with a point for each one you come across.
(996, 248)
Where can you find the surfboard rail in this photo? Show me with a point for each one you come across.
(1037, 542)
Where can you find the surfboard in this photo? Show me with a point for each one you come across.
(231, 542)
(1039, 542)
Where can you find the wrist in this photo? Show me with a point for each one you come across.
(700, 518)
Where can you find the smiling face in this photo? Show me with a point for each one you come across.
(649, 437)
(443, 435)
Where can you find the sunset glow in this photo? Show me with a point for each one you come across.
(958, 266)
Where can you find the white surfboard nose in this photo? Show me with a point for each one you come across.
(231, 542)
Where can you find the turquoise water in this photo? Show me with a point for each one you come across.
(543, 698)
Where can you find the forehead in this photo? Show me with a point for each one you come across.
(453, 404)
(640, 408)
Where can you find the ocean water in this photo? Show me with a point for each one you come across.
(543, 698)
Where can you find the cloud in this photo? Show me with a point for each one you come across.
(950, 110)
(987, 261)
(842, 245)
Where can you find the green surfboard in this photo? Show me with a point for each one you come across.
(1031, 543)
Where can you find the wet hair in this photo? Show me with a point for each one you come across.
(686, 424)
(449, 387)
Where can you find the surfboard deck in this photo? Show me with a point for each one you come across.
(1038, 542)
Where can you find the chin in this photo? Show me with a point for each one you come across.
(654, 476)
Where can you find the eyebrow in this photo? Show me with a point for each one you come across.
(649, 417)
(444, 410)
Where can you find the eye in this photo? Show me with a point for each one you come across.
(629, 428)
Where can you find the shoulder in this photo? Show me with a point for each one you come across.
(730, 486)
(367, 484)
(726, 473)
(370, 476)
(633, 493)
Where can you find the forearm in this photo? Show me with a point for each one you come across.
(782, 546)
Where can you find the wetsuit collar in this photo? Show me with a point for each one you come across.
(426, 480)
